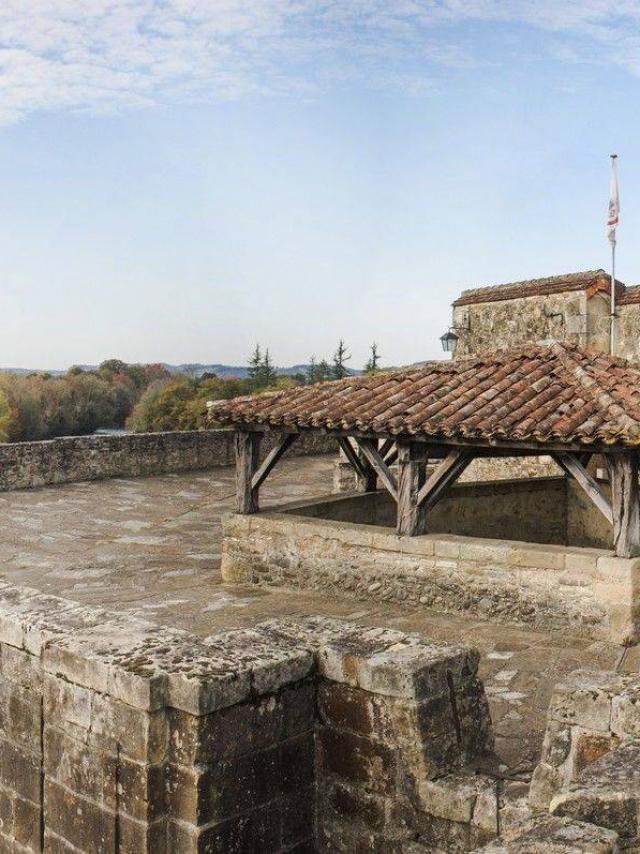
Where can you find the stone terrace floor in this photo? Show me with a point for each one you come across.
(152, 546)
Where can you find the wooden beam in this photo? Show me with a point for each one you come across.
(371, 454)
(365, 473)
(247, 446)
(443, 477)
(626, 504)
(412, 464)
(574, 468)
(271, 459)
(385, 447)
(499, 446)
(393, 455)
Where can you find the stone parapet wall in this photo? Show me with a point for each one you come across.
(584, 590)
(25, 465)
(118, 735)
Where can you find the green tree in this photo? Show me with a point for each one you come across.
(267, 374)
(374, 360)
(255, 363)
(340, 357)
(8, 418)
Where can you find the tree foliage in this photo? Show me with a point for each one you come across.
(42, 406)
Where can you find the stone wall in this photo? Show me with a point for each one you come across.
(585, 591)
(571, 316)
(529, 510)
(489, 326)
(118, 735)
(628, 331)
(24, 465)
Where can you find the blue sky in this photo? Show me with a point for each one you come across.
(180, 179)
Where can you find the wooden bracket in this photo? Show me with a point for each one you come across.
(570, 464)
(372, 455)
(443, 477)
(271, 459)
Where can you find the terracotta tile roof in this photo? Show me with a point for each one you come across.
(541, 394)
(592, 281)
(631, 295)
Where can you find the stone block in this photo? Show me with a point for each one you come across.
(447, 548)
(141, 790)
(26, 825)
(20, 715)
(541, 557)
(547, 780)
(6, 812)
(354, 709)
(258, 831)
(356, 759)
(583, 562)
(584, 699)
(142, 837)
(461, 796)
(298, 820)
(625, 711)
(78, 820)
(19, 771)
(606, 793)
(21, 667)
(84, 769)
(354, 806)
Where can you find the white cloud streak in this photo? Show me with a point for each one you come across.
(114, 55)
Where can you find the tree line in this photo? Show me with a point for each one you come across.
(142, 398)
(43, 406)
(180, 403)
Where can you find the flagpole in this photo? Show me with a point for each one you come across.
(613, 279)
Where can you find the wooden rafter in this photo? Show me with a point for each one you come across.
(271, 459)
(372, 455)
(570, 464)
(443, 477)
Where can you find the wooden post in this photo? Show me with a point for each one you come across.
(412, 465)
(247, 458)
(625, 503)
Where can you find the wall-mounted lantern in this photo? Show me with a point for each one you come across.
(449, 341)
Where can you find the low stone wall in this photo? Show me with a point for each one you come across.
(118, 735)
(532, 510)
(587, 591)
(24, 465)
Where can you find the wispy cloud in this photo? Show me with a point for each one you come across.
(107, 55)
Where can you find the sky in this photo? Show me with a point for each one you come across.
(181, 179)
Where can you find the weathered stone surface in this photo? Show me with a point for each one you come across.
(145, 739)
(606, 793)
(590, 714)
(551, 835)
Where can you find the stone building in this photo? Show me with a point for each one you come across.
(573, 307)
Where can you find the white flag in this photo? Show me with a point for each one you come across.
(614, 204)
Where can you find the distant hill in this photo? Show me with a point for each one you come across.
(192, 370)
